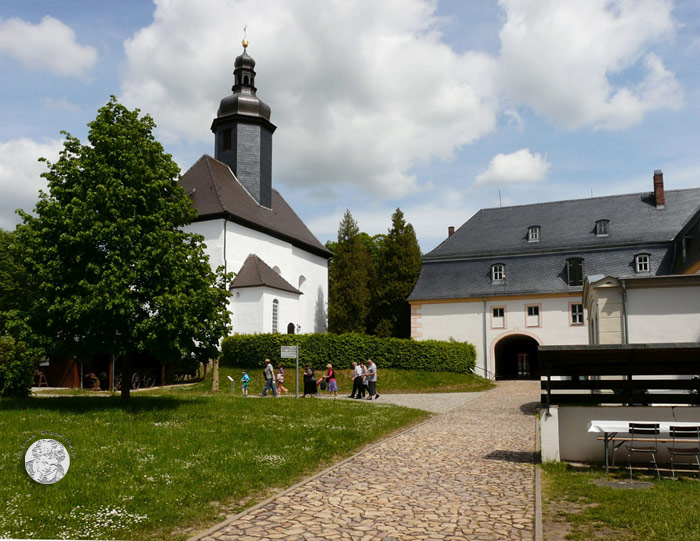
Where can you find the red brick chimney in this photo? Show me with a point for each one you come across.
(451, 230)
(659, 197)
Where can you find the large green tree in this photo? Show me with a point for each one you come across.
(350, 275)
(399, 263)
(109, 267)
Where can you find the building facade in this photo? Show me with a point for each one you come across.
(511, 279)
(281, 268)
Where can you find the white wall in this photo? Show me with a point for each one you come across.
(663, 314)
(463, 321)
(239, 241)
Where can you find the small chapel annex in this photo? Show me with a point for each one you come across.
(281, 268)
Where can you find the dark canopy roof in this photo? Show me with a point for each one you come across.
(216, 193)
(255, 272)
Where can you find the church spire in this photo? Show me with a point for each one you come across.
(243, 132)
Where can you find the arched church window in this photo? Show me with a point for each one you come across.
(302, 279)
(277, 270)
(275, 314)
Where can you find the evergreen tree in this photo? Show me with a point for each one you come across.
(109, 267)
(399, 264)
(350, 274)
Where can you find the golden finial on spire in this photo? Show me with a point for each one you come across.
(245, 39)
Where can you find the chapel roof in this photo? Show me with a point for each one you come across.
(255, 273)
(215, 192)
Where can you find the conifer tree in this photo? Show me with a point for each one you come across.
(350, 274)
(399, 264)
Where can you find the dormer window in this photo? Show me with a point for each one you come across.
(498, 272)
(533, 233)
(574, 268)
(601, 228)
(641, 263)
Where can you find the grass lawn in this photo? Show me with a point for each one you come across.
(390, 380)
(573, 503)
(172, 461)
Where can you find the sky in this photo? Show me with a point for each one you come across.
(439, 108)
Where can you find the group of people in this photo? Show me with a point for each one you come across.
(364, 381)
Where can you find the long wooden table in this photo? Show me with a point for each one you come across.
(611, 428)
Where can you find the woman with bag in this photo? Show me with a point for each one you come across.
(309, 381)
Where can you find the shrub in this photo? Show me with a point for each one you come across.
(342, 349)
(16, 367)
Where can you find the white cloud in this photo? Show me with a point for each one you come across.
(520, 166)
(49, 45)
(361, 91)
(562, 59)
(19, 175)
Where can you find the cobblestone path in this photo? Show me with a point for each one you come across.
(465, 474)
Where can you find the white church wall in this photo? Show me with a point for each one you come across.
(246, 309)
(293, 263)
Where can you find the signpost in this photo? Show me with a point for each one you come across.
(231, 380)
(292, 352)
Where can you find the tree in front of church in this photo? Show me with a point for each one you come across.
(108, 265)
(398, 266)
(350, 275)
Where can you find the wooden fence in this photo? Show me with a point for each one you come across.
(606, 374)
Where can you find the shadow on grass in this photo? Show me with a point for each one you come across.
(78, 404)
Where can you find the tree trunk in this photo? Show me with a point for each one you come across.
(215, 376)
(127, 372)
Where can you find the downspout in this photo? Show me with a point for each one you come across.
(625, 339)
(486, 357)
(225, 259)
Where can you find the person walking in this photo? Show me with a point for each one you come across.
(245, 380)
(269, 373)
(309, 381)
(363, 379)
(280, 380)
(356, 380)
(330, 378)
(372, 379)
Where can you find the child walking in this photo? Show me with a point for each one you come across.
(280, 380)
(245, 380)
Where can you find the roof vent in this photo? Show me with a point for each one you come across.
(450, 231)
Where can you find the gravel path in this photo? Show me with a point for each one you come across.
(467, 473)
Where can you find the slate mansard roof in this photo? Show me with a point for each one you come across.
(255, 273)
(216, 193)
(460, 267)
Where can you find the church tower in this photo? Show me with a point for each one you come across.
(243, 132)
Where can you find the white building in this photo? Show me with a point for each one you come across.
(281, 282)
(511, 279)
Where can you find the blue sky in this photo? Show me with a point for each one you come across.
(433, 107)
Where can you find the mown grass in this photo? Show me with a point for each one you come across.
(668, 511)
(154, 468)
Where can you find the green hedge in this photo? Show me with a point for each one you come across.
(16, 368)
(342, 349)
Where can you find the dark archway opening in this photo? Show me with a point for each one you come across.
(291, 328)
(516, 358)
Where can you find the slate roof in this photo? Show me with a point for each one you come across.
(216, 193)
(460, 267)
(633, 219)
(530, 275)
(255, 273)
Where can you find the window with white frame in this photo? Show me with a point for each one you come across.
(533, 316)
(533, 233)
(642, 262)
(498, 272)
(498, 319)
(275, 314)
(601, 228)
(577, 314)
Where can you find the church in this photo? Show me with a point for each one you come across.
(281, 268)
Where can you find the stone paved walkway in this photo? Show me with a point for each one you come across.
(465, 474)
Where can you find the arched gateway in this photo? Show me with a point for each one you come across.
(516, 357)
